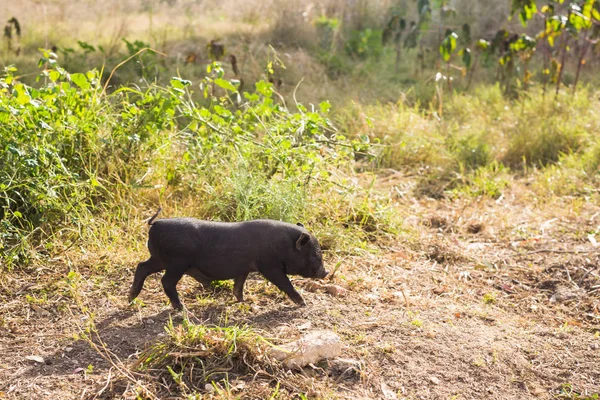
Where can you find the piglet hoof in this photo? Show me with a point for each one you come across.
(299, 301)
(131, 298)
(178, 306)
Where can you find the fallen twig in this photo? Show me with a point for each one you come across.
(559, 251)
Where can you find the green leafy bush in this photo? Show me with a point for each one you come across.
(365, 43)
(70, 151)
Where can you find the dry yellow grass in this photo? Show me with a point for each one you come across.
(444, 310)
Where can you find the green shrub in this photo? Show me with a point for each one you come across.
(72, 150)
(364, 44)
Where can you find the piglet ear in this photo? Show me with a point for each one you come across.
(300, 224)
(302, 240)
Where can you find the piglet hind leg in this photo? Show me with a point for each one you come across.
(238, 287)
(280, 279)
(202, 279)
(144, 269)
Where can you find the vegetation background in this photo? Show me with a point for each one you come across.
(445, 153)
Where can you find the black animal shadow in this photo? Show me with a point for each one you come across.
(120, 340)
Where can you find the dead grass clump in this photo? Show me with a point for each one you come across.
(572, 286)
(438, 222)
(433, 186)
(221, 362)
(193, 356)
(475, 227)
(442, 253)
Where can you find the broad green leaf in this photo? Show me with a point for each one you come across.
(225, 84)
(325, 106)
(179, 83)
(448, 46)
(54, 75)
(528, 13)
(264, 88)
(483, 44)
(80, 80)
(22, 95)
(286, 144)
(525, 8)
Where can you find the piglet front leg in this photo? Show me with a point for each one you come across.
(280, 279)
(169, 282)
(238, 287)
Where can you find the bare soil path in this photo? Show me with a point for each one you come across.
(482, 299)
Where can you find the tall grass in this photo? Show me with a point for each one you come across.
(483, 131)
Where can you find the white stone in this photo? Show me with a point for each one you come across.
(309, 349)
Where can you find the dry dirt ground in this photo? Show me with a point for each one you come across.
(478, 299)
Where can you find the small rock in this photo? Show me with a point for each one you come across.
(39, 310)
(434, 380)
(440, 290)
(149, 321)
(476, 246)
(209, 388)
(313, 286)
(305, 326)
(371, 297)
(238, 384)
(594, 346)
(336, 291)
(37, 359)
(68, 349)
(387, 392)
(564, 294)
(309, 349)
(345, 368)
(342, 365)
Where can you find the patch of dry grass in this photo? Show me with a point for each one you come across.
(409, 316)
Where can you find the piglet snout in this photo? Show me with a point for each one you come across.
(323, 274)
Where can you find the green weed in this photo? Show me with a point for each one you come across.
(490, 298)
